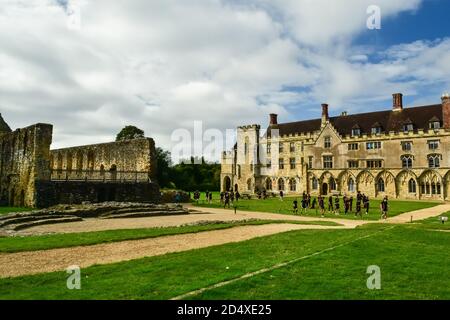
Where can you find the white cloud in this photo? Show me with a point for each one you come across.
(162, 64)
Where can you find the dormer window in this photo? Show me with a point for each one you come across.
(434, 123)
(356, 131)
(408, 126)
(376, 128)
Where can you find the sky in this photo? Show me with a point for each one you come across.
(90, 67)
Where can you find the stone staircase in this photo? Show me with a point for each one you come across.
(71, 213)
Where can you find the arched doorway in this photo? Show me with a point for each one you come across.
(325, 189)
(236, 188)
(226, 184)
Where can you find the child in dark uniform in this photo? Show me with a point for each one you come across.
(295, 206)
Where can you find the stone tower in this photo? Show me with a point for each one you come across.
(4, 128)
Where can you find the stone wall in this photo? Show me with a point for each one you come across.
(75, 192)
(24, 158)
(107, 161)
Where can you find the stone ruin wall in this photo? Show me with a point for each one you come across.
(130, 160)
(24, 159)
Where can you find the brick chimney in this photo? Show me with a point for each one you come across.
(325, 116)
(446, 111)
(397, 102)
(273, 119)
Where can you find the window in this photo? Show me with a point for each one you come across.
(353, 164)
(281, 184)
(281, 164)
(328, 162)
(376, 130)
(406, 146)
(315, 183)
(269, 148)
(292, 147)
(371, 164)
(281, 148)
(408, 127)
(310, 162)
(292, 185)
(269, 164)
(327, 144)
(292, 163)
(407, 161)
(333, 185)
(356, 132)
(353, 146)
(434, 161)
(412, 187)
(434, 125)
(373, 145)
(351, 185)
(380, 185)
(433, 144)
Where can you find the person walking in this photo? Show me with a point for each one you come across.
(281, 195)
(210, 198)
(366, 204)
(330, 204)
(295, 206)
(384, 206)
(227, 200)
(322, 205)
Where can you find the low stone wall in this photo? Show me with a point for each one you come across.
(50, 193)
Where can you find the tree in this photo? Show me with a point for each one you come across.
(164, 167)
(130, 133)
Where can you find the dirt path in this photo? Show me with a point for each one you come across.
(24, 263)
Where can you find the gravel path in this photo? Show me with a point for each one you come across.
(23, 263)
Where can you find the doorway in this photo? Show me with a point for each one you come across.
(325, 189)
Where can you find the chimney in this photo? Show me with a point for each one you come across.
(273, 119)
(397, 101)
(325, 116)
(446, 111)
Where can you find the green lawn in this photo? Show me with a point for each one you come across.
(274, 205)
(6, 210)
(414, 263)
(33, 243)
(434, 223)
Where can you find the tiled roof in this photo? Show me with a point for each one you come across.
(388, 120)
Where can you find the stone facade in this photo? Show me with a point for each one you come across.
(33, 176)
(401, 153)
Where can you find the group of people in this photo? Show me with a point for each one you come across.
(228, 197)
(208, 196)
(334, 205)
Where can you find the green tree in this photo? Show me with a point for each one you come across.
(164, 163)
(130, 133)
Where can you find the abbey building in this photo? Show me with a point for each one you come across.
(402, 153)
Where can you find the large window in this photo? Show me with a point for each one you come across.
(356, 132)
(353, 146)
(353, 164)
(281, 164)
(373, 164)
(433, 144)
(434, 125)
(373, 145)
(380, 185)
(406, 146)
(434, 161)
(327, 142)
(292, 185)
(315, 183)
(328, 162)
(351, 185)
(412, 187)
(407, 161)
(333, 185)
(292, 163)
(292, 147)
(376, 130)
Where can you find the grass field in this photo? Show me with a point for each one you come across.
(6, 210)
(413, 262)
(274, 205)
(33, 243)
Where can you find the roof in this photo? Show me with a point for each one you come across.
(4, 128)
(388, 120)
